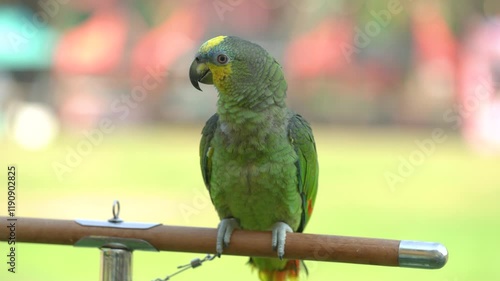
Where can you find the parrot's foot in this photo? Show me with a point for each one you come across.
(224, 231)
(279, 236)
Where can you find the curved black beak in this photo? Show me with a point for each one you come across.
(199, 72)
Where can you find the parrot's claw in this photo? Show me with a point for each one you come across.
(224, 231)
(279, 237)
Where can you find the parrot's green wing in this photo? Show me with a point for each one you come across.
(301, 137)
(206, 150)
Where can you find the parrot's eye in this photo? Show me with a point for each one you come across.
(222, 59)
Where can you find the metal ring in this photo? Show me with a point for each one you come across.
(116, 209)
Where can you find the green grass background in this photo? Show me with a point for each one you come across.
(453, 197)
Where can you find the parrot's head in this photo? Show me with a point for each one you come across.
(231, 64)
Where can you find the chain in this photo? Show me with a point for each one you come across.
(193, 264)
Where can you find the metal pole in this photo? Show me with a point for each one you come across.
(116, 264)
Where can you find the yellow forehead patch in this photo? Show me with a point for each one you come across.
(211, 43)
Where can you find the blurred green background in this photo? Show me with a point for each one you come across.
(403, 97)
(451, 198)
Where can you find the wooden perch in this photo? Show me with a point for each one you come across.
(243, 243)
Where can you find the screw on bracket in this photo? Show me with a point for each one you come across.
(116, 212)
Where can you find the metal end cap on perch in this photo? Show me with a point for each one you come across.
(416, 254)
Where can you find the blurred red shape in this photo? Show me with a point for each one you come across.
(94, 47)
(164, 44)
(319, 52)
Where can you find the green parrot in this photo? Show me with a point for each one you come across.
(258, 158)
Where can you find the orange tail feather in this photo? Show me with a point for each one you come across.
(289, 272)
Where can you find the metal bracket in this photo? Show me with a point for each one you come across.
(116, 252)
(131, 225)
(115, 243)
(116, 222)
